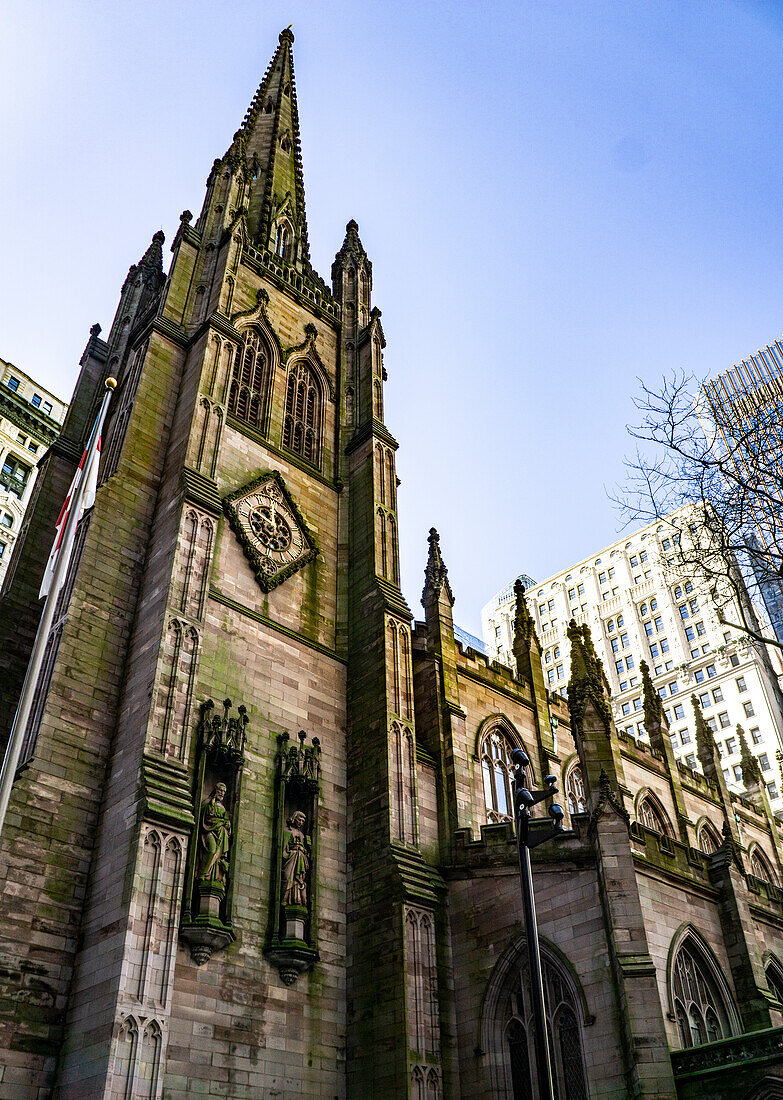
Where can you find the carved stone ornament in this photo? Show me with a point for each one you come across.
(270, 529)
(292, 936)
(206, 924)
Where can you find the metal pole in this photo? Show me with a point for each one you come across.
(27, 698)
(543, 1064)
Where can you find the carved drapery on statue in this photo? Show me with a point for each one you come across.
(207, 900)
(292, 940)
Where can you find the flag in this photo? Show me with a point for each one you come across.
(87, 476)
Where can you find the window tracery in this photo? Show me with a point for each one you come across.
(250, 379)
(653, 816)
(699, 1005)
(283, 240)
(564, 1035)
(774, 975)
(497, 772)
(302, 422)
(709, 840)
(761, 867)
(575, 791)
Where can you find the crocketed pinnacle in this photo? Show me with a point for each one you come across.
(351, 247)
(587, 677)
(524, 624)
(153, 257)
(150, 266)
(706, 749)
(436, 575)
(751, 773)
(267, 147)
(654, 718)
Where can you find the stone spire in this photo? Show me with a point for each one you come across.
(436, 575)
(268, 150)
(351, 247)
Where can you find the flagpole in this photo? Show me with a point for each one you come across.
(27, 698)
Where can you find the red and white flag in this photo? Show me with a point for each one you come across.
(83, 486)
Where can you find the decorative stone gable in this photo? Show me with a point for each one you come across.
(270, 529)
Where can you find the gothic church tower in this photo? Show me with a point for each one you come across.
(205, 898)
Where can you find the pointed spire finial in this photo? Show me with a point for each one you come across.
(351, 246)
(436, 575)
(266, 153)
(524, 626)
(153, 257)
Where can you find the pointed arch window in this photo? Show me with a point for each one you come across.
(497, 771)
(283, 240)
(565, 1040)
(761, 867)
(700, 1006)
(250, 379)
(652, 815)
(575, 791)
(303, 410)
(709, 839)
(774, 975)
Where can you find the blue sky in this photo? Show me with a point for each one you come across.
(559, 198)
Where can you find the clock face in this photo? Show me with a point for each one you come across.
(273, 534)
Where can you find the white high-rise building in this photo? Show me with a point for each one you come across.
(637, 610)
(30, 421)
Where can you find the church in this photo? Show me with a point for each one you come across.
(260, 841)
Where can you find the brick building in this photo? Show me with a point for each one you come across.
(259, 845)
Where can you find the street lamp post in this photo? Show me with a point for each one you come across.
(524, 799)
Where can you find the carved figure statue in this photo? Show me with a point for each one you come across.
(214, 836)
(296, 861)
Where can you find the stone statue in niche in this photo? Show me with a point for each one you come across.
(207, 895)
(214, 837)
(296, 861)
(293, 927)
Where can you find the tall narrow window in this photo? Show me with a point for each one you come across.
(283, 239)
(249, 379)
(565, 1043)
(774, 975)
(575, 791)
(699, 1004)
(302, 423)
(497, 771)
